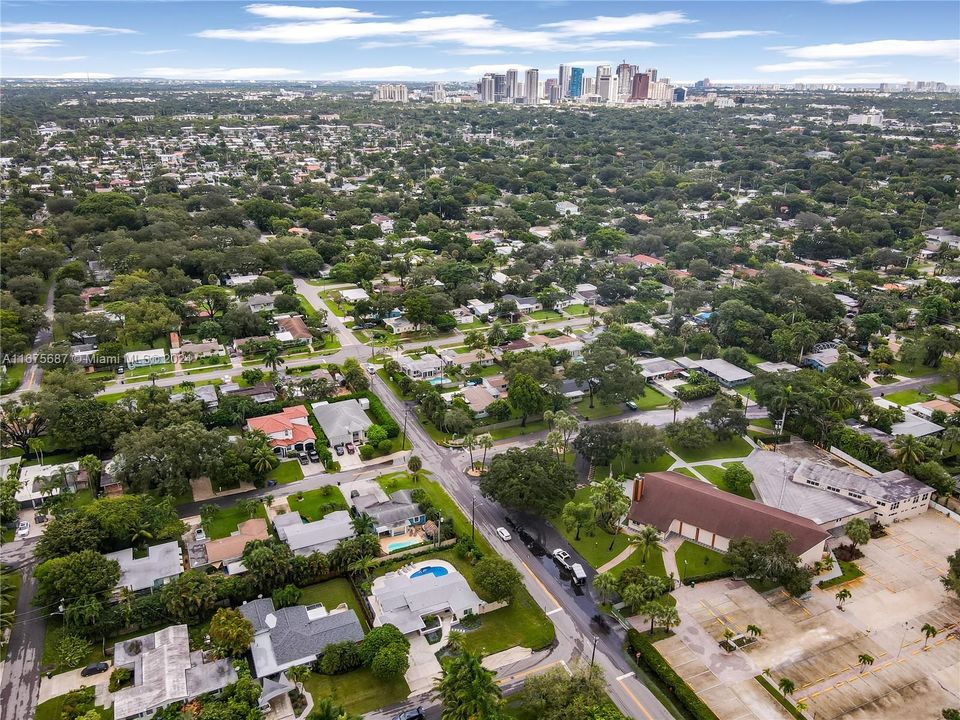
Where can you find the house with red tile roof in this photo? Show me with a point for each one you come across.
(288, 432)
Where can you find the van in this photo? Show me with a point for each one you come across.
(579, 577)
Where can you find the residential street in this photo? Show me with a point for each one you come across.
(21, 670)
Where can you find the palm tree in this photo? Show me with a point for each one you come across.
(842, 596)
(93, 467)
(326, 709)
(648, 537)
(298, 673)
(486, 442)
(610, 502)
(800, 706)
(675, 404)
(35, 445)
(467, 690)
(950, 441)
(605, 584)
(909, 451)
(786, 686)
(263, 459)
(754, 631)
(864, 659)
(362, 567)
(272, 356)
(415, 465)
(555, 442)
(928, 631)
(362, 523)
(781, 401)
(141, 535)
(470, 442)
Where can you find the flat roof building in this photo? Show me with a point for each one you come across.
(162, 564)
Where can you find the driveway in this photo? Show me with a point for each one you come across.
(71, 680)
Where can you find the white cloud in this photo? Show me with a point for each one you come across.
(297, 12)
(393, 72)
(54, 28)
(470, 51)
(610, 44)
(803, 65)
(874, 48)
(858, 78)
(603, 24)
(208, 73)
(26, 46)
(155, 52)
(730, 34)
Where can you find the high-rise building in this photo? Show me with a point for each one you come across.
(531, 84)
(487, 89)
(652, 72)
(624, 77)
(607, 88)
(439, 93)
(576, 82)
(499, 88)
(554, 94)
(588, 86)
(601, 71)
(679, 95)
(391, 93)
(563, 80)
(640, 89)
(548, 85)
(512, 89)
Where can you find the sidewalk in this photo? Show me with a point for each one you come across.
(624, 554)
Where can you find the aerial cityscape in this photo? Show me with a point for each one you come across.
(387, 360)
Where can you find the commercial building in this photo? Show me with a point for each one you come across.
(531, 86)
(391, 93)
(700, 512)
(576, 83)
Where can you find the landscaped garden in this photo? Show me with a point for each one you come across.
(695, 561)
(225, 521)
(714, 474)
(624, 465)
(359, 691)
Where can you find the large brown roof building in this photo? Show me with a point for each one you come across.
(696, 510)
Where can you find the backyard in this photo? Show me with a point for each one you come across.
(358, 691)
(331, 593)
(224, 522)
(317, 503)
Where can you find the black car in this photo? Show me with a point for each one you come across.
(94, 669)
(411, 715)
(313, 455)
(339, 449)
(302, 457)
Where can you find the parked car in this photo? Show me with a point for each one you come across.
(40, 518)
(416, 714)
(578, 573)
(372, 369)
(350, 448)
(23, 528)
(120, 371)
(94, 669)
(632, 405)
(339, 449)
(504, 534)
(313, 455)
(562, 557)
(303, 458)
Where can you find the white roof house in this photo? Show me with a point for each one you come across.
(162, 564)
(319, 536)
(143, 358)
(39, 481)
(354, 295)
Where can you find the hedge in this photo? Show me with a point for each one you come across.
(380, 413)
(696, 392)
(652, 661)
(715, 575)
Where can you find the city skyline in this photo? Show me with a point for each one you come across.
(839, 42)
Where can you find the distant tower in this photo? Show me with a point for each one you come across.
(563, 80)
(576, 82)
(531, 83)
(512, 83)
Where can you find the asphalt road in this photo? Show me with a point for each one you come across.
(21, 677)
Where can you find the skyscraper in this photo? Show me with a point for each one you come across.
(511, 83)
(439, 93)
(641, 86)
(652, 72)
(607, 88)
(576, 82)
(391, 93)
(624, 78)
(563, 80)
(587, 86)
(487, 89)
(679, 95)
(499, 88)
(601, 71)
(531, 84)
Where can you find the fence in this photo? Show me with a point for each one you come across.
(946, 511)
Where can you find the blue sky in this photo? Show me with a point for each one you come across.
(843, 41)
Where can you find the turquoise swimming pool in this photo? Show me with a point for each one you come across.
(401, 544)
(434, 570)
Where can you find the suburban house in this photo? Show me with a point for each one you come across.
(260, 303)
(483, 358)
(821, 359)
(928, 408)
(479, 308)
(164, 672)
(701, 512)
(422, 368)
(162, 564)
(322, 535)
(392, 515)
(658, 368)
(207, 394)
(40, 481)
(191, 351)
(354, 295)
(586, 293)
(235, 280)
(404, 597)
(83, 354)
(561, 342)
(567, 208)
(477, 397)
(525, 305)
(398, 325)
(646, 261)
(226, 552)
(343, 422)
(295, 635)
(145, 358)
(571, 389)
(831, 496)
(292, 329)
(725, 373)
(462, 315)
(776, 367)
(260, 393)
(499, 278)
(288, 432)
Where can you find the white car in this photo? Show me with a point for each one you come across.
(504, 534)
(23, 528)
(562, 557)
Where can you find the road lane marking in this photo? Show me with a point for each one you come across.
(555, 610)
(624, 676)
(542, 586)
(634, 698)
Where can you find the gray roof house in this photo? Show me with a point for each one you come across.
(403, 597)
(162, 564)
(319, 536)
(165, 672)
(259, 303)
(295, 635)
(342, 422)
(725, 373)
(393, 515)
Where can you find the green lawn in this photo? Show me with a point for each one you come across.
(546, 315)
(653, 564)
(438, 496)
(317, 503)
(595, 546)
(651, 399)
(623, 465)
(890, 380)
(226, 520)
(286, 472)
(599, 410)
(332, 306)
(693, 560)
(766, 423)
(686, 471)
(207, 362)
(331, 593)
(912, 371)
(150, 370)
(851, 571)
(53, 710)
(735, 447)
(715, 475)
(944, 387)
(12, 378)
(359, 691)
(906, 397)
(391, 384)
(577, 310)
(514, 430)
(748, 391)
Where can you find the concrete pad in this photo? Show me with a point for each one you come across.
(71, 680)
(703, 681)
(506, 657)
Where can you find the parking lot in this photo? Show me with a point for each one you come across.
(818, 647)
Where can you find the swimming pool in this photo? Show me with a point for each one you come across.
(439, 380)
(434, 570)
(401, 544)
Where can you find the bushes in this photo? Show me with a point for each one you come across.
(339, 658)
(367, 451)
(385, 650)
(696, 392)
(380, 414)
(651, 660)
(715, 575)
(119, 677)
